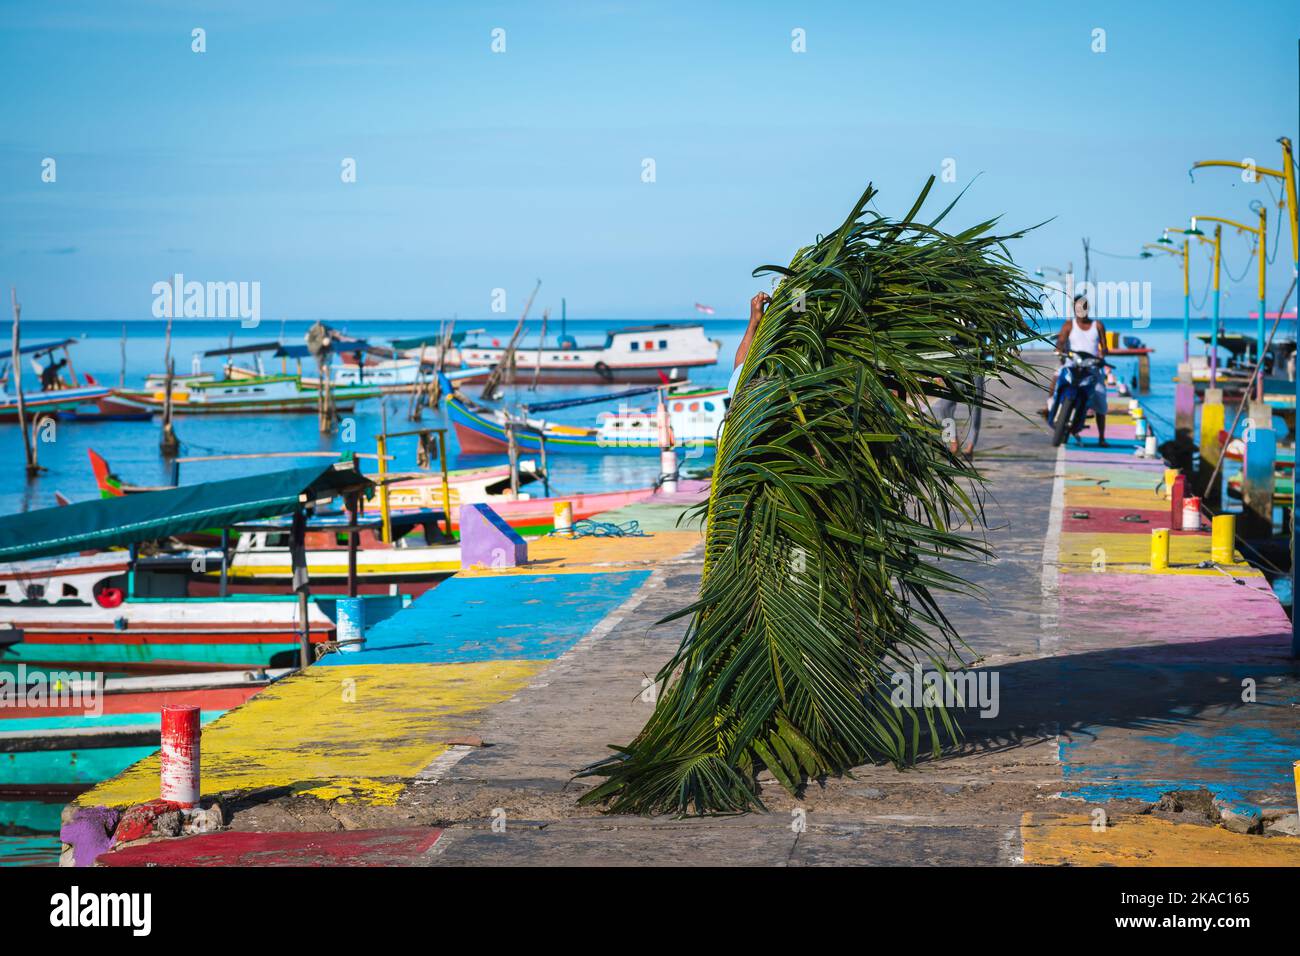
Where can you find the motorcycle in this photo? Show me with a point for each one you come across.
(1079, 377)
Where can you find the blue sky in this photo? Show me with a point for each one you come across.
(479, 170)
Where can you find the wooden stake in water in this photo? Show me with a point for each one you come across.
(121, 378)
(16, 363)
(169, 443)
(512, 450)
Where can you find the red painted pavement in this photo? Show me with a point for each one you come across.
(1110, 520)
(396, 847)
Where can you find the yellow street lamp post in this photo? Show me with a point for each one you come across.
(1260, 233)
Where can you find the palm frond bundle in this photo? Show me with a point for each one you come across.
(834, 496)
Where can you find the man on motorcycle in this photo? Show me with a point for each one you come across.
(1084, 334)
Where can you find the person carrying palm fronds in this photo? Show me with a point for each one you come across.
(833, 498)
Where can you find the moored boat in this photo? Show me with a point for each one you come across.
(61, 732)
(695, 416)
(68, 398)
(635, 354)
(260, 395)
(106, 612)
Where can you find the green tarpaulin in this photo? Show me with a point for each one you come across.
(148, 516)
(432, 341)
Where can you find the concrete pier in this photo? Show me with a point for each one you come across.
(452, 739)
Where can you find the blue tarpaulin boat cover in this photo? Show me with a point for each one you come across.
(148, 516)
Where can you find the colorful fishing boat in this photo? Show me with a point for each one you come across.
(70, 399)
(695, 415)
(63, 732)
(1236, 450)
(271, 394)
(417, 551)
(636, 354)
(1283, 487)
(104, 612)
(466, 485)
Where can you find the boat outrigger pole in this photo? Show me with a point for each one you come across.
(381, 446)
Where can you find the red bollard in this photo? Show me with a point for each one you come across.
(180, 754)
(1176, 503)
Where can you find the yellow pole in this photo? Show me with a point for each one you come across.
(446, 482)
(1187, 269)
(1171, 475)
(1263, 259)
(1223, 533)
(385, 528)
(1259, 326)
(1159, 549)
(1214, 345)
(1288, 169)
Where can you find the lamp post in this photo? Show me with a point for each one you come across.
(1260, 233)
(1287, 175)
(1214, 330)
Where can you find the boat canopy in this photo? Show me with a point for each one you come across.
(148, 516)
(37, 348)
(341, 519)
(339, 347)
(242, 349)
(433, 341)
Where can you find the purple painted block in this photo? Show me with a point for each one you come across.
(486, 541)
(89, 833)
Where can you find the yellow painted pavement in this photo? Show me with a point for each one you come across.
(1132, 553)
(354, 732)
(1083, 496)
(1052, 840)
(583, 555)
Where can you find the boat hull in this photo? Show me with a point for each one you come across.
(160, 636)
(59, 402)
(478, 435)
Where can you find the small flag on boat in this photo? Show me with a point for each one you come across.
(705, 309)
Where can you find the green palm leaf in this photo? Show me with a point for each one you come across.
(833, 497)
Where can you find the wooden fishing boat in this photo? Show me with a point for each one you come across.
(89, 729)
(72, 400)
(1283, 487)
(67, 603)
(96, 613)
(271, 394)
(636, 354)
(465, 485)
(695, 416)
(1235, 450)
(417, 551)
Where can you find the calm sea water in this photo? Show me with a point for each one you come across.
(131, 448)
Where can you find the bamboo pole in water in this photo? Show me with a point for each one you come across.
(446, 480)
(16, 363)
(169, 444)
(512, 447)
(505, 367)
(541, 344)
